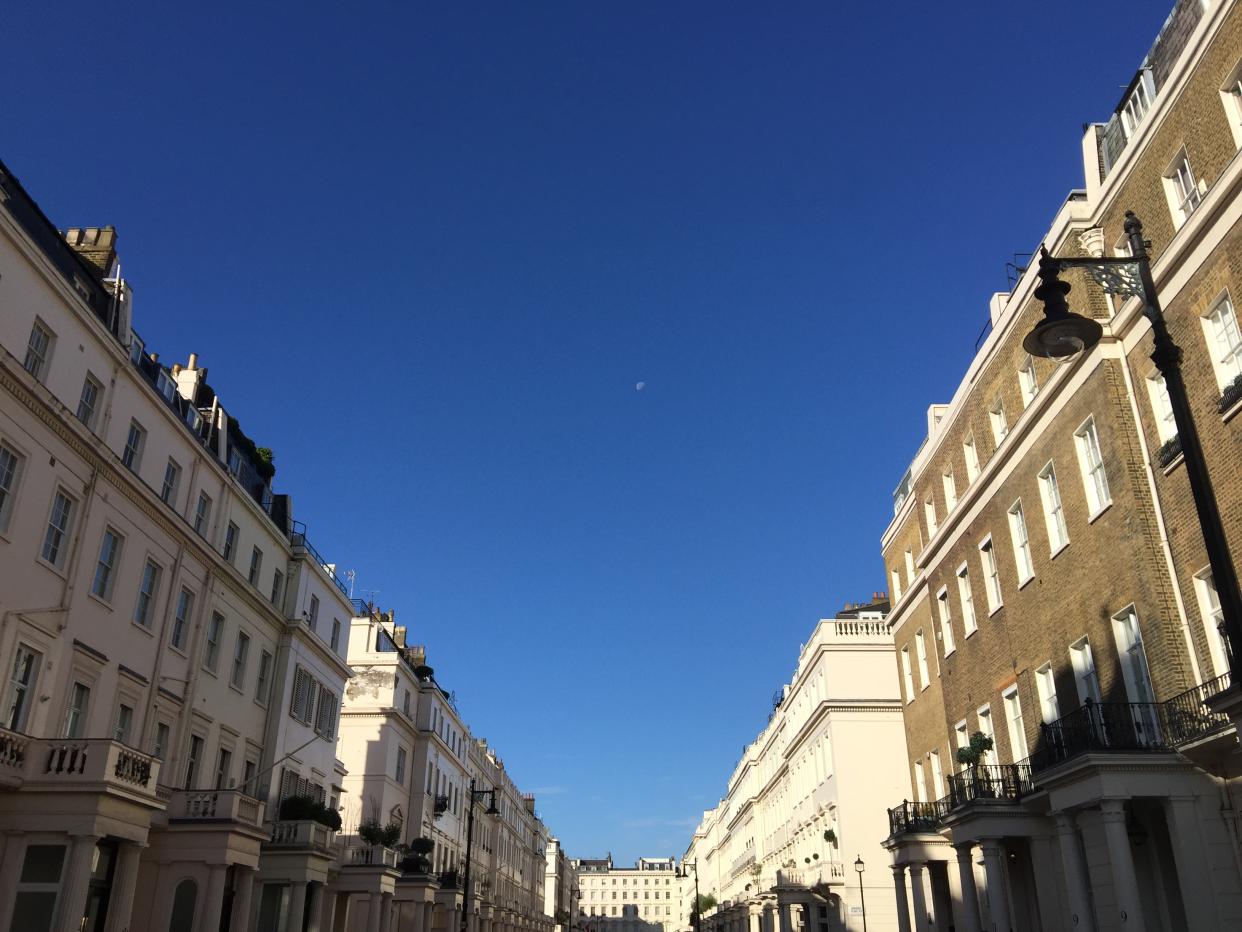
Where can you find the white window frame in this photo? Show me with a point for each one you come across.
(11, 469)
(1137, 104)
(966, 594)
(971, 454)
(1181, 188)
(135, 442)
(937, 772)
(987, 725)
(38, 357)
(1231, 99)
(55, 558)
(171, 483)
(77, 717)
(946, 621)
(909, 568)
(929, 513)
(202, 514)
(1046, 688)
(1000, 423)
(241, 655)
(1020, 535)
(1086, 676)
(231, 534)
(1212, 617)
(21, 688)
(961, 739)
(1091, 468)
(256, 566)
(182, 619)
(920, 647)
(89, 408)
(950, 490)
(211, 642)
(1054, 509)
(148, 594)
(991, 575)
(907, 674)
(263, 682)
(1161, 407)
(897, 590)
(1224, 339)
(108, 564)
(1028, 381)
(1019, 750)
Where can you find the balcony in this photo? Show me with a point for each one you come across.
(911, 818)
(304, 834)
(1132, 727)
(371, 856)
(72, 764)
(215, 806)
(998, 783)
(297, 537)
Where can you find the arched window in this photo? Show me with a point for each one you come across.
(185, 898)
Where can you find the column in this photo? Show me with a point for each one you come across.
(964, 890)
(341, 923)
(327, 914)
(994, 869)
(243, 887)
(10, 871)
(1075, 873)
(918, 894)
(213, 899)
(783, 911)
(314, 906)
(1121, 861)
(765, 924)
(124, 880)
(375, 906)
(385, 912)
(73, 882)
(1193, 868)
(297, 906)
(899, 890)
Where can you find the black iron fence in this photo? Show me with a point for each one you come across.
(1001, 782)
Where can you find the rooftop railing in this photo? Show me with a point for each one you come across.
(297, 537)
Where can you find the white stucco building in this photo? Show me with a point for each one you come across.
(805, 800)
(174, 647)
(642, 898)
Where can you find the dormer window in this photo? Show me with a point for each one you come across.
(136, 350)
(1138, 103)
(166, 386)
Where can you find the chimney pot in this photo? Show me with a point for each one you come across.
(193, 363)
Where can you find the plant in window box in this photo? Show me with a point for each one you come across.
(1230, 396)
(830, 836)
(971, 755)
(1170, 450)
(448, 879)
(441, 806)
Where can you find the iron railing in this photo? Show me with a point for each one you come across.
(1000, 782)
(1186, 717)
(297, 537)
(916, 817)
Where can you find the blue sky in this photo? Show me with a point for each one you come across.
(429, 251)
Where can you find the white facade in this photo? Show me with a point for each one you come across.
(806, 799)
(643, 898)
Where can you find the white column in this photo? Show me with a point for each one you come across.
(964, 890)
(10, 871)
(124, 880)
(919, 895)
(74, 882)
(297, 906)
(243, 887)
(314, 906)
(385, 911)
(998, 898)
(375, 904)
(341, 922)
(899, 889)
(1193, 868)
(213, 901)
(1075, 871)
(1121, 861)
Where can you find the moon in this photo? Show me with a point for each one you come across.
(640, 386)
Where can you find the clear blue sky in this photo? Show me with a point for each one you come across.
(429, 250)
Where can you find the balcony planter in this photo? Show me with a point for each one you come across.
(448, 880)
(1170, 450)
(301, 808)
(1230, 396)
(423, 846)
(385, 836)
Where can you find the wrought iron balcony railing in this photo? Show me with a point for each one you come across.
(998, 782)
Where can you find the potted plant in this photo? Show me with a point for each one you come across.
(370, 832)
(830, 836)
(971, 755)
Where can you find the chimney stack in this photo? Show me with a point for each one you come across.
(97, 245)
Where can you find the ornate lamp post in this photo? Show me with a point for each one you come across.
(1063, 334)
(696, 913)
(859, 866)
(475, 796)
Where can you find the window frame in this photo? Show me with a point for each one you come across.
(1028, 381)
(1020, 537)
(1182, 190)
(87, 413)
(171, 484)
(145, 602)
(966, 595)
(991, 575)
(1091, 468)
(947, 640)
(1054, 509)
(135, 444)
(111, 568)
(211, 642)
(1226, 365)
(40, 357)
(58, 560)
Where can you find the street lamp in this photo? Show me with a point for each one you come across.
(475, 796)
(696, 913)
(1062, 334)
(859, 866)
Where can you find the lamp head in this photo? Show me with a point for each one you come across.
(859, 865)
(491, 809)
(1062, 334)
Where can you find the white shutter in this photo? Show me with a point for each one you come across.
(301, 689)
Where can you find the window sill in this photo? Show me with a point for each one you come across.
(971, 633)
(177, 650)
(993, 611)
(207, 669)
(237, 689)
(1173, 464)
(1053, 555)
(950, 652)
(51, 567)
(1231, 412)
(1026, 582)
(1103, 508)
(143, 628)
(100, 600)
